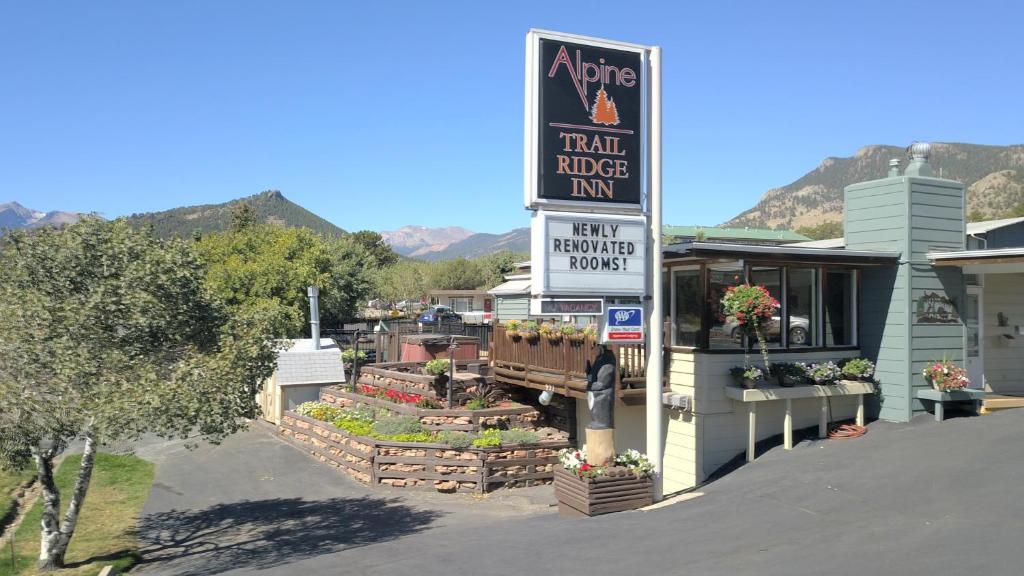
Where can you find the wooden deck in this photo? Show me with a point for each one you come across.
(561, 366)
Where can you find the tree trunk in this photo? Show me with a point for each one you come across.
(55, 538)
(51, 509)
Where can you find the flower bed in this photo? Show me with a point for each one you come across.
(430, 465)
(513, 416)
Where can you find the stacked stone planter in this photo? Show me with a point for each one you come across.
(516, 416)
(423, 465)
(406, 377)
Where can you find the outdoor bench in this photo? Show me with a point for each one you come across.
(940, 398)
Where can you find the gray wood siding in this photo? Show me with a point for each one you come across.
(513, 308)
(875, 218)
(936, 224)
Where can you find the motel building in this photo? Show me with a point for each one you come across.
(909, 283)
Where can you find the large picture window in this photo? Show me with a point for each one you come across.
(818, 305)
(839, 297)
(724, 332)
(801, 305)
(688, 311)
(771, 279)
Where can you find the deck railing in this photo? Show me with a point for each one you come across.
(562, 366)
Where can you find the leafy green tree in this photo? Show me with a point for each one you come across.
(823, 231)
(405, 280)
(107, 333)
(494, 267)
(457, 274)
(380, 254)
(267, 268)
(243, 216)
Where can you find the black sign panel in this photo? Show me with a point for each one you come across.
(572, 307)
(590, 133)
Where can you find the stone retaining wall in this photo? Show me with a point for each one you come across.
(516, 416)
(407, 377)
(423, 465)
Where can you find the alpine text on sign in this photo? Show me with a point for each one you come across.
(585, 122)
(623, 325)
(588, 254)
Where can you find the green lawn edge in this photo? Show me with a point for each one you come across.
(106, 531)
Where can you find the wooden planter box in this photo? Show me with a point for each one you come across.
(602, 495)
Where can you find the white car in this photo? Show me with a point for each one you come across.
(799, 329)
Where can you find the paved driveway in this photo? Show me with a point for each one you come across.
(921, 498)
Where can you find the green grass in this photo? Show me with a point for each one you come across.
(106, 527)
(9, 482)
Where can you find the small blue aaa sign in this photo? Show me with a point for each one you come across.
(623, 325)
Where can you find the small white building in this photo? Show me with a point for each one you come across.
(301, 370)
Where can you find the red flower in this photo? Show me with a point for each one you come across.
(584, 467)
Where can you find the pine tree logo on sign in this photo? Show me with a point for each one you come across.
(589, 132)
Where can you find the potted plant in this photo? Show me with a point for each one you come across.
(513, 328)
(860, 369)
(823, 373)
(550, 332)
(787, 373)
(753, 308)
(747, 376)
(945, 375)
(348, 356)
(571, 333)
(585, 489)
(530, 330)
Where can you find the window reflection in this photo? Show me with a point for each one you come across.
(687, 307)
(801, 305)
(724, 332)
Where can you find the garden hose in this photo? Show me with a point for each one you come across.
(843, 431)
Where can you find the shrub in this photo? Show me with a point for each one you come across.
(430, 403)
(859, 368)
(349, 354)
(395, 425)
(455, 439)
(356, 427)
(437, 366)
(488, 438)
(415, 437)
(482, 396)
(517, 436)
(318, 410)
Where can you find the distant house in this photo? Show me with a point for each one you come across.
(463, 300)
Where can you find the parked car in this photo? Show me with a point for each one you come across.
(799, 329)
(438, 313)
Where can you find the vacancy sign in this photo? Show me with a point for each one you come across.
(585, 130)
(591, 254)
(623, 325)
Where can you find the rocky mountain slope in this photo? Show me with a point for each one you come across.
(14, 215)
(994, 176)
(271, 207)
(418, 241)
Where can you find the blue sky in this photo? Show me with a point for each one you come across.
(380, 114)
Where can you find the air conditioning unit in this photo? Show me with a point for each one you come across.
(678, 401)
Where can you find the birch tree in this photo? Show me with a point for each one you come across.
(107, 333)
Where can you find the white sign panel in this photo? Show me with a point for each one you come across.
(592, 254)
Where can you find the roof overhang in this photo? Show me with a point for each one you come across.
(995, 261)
(512, 288)
(785, 253)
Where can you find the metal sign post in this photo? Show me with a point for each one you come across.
(655, 344)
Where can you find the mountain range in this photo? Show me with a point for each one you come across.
(14, 215)
(993, 175)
